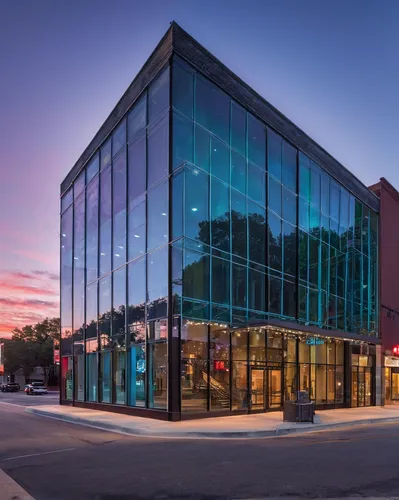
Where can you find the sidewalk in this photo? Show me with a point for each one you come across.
(240, 426)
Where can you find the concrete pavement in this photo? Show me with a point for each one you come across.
(240, 426)
(11, 490)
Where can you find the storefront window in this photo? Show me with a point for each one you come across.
(79, 378)
(67, 370)
(219, 380)
(91, 377)
(290, 382)
(157, 375)
(239, 352)
(119, 368)
(105, 377)
(194, 387)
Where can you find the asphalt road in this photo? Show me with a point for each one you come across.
(22, 399)
(57, 460)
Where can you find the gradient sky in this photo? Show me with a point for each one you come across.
(331, 67)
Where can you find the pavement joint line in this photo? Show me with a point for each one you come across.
(37, 454)
(11, 490)
(256, 434)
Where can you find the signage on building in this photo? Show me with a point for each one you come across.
(395, 350)
(220, 366)
(314, 341)
(56, 356)
(390, 361)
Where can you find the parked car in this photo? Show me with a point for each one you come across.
(10, 387)
(36, 388)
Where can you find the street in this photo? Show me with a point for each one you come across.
(57, 460)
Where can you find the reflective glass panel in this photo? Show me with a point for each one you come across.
(158, 95)
(256, 232)
(137, 117)
(136, 292)
(220, 220)
(289, 168)
(92, 205)
(157, 208)
(119, 209)
(105, 153)
(238, 172)
(196, 210)
(157, 286)
(196, 275)
(92, 168)
(238, 127)
(137, 227)
(183, 88)
(202, 151)
(105, 221)
(137, 167)
(256, 142)
(220, 159)
(119, 138)
(257, 184)
(104, 312)
(220, 281)
(274, 154)
(119, 302)
(158, 151)
(183, 140)
(91, 310)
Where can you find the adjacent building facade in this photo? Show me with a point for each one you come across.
(214, 259)
(389, 287)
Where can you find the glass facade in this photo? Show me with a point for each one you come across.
(195, 213)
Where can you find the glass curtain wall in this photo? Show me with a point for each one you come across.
(249, 210)
(114, 263)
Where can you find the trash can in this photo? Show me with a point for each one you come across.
(301, 410)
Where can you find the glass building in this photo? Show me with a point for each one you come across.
(214, 258)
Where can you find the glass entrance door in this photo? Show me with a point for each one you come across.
(354, 387)
(361, 386)
(258, 383)
(274, 388)
(395, 385)
(266, 388)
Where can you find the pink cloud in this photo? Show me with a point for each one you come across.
(9, 287)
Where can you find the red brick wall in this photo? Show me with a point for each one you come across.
(389, 263)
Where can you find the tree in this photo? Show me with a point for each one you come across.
(33, 345)
(19, 356)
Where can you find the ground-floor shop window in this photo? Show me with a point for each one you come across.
(79, 378)
(361, 383)
(136, 370)
(119, 376)
(67, 378)
(105, 377)
(91, 377)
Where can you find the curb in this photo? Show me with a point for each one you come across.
(204, 434)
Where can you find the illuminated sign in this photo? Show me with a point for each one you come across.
(220, 365)
(314, 341)
(56, 356)
(395, 350)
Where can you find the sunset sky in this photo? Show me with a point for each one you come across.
(331, 67)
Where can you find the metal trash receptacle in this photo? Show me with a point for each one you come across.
(290, 411)
(301, 410)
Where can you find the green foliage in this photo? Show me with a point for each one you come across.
(32, 346)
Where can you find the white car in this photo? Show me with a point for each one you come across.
(36, 388)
